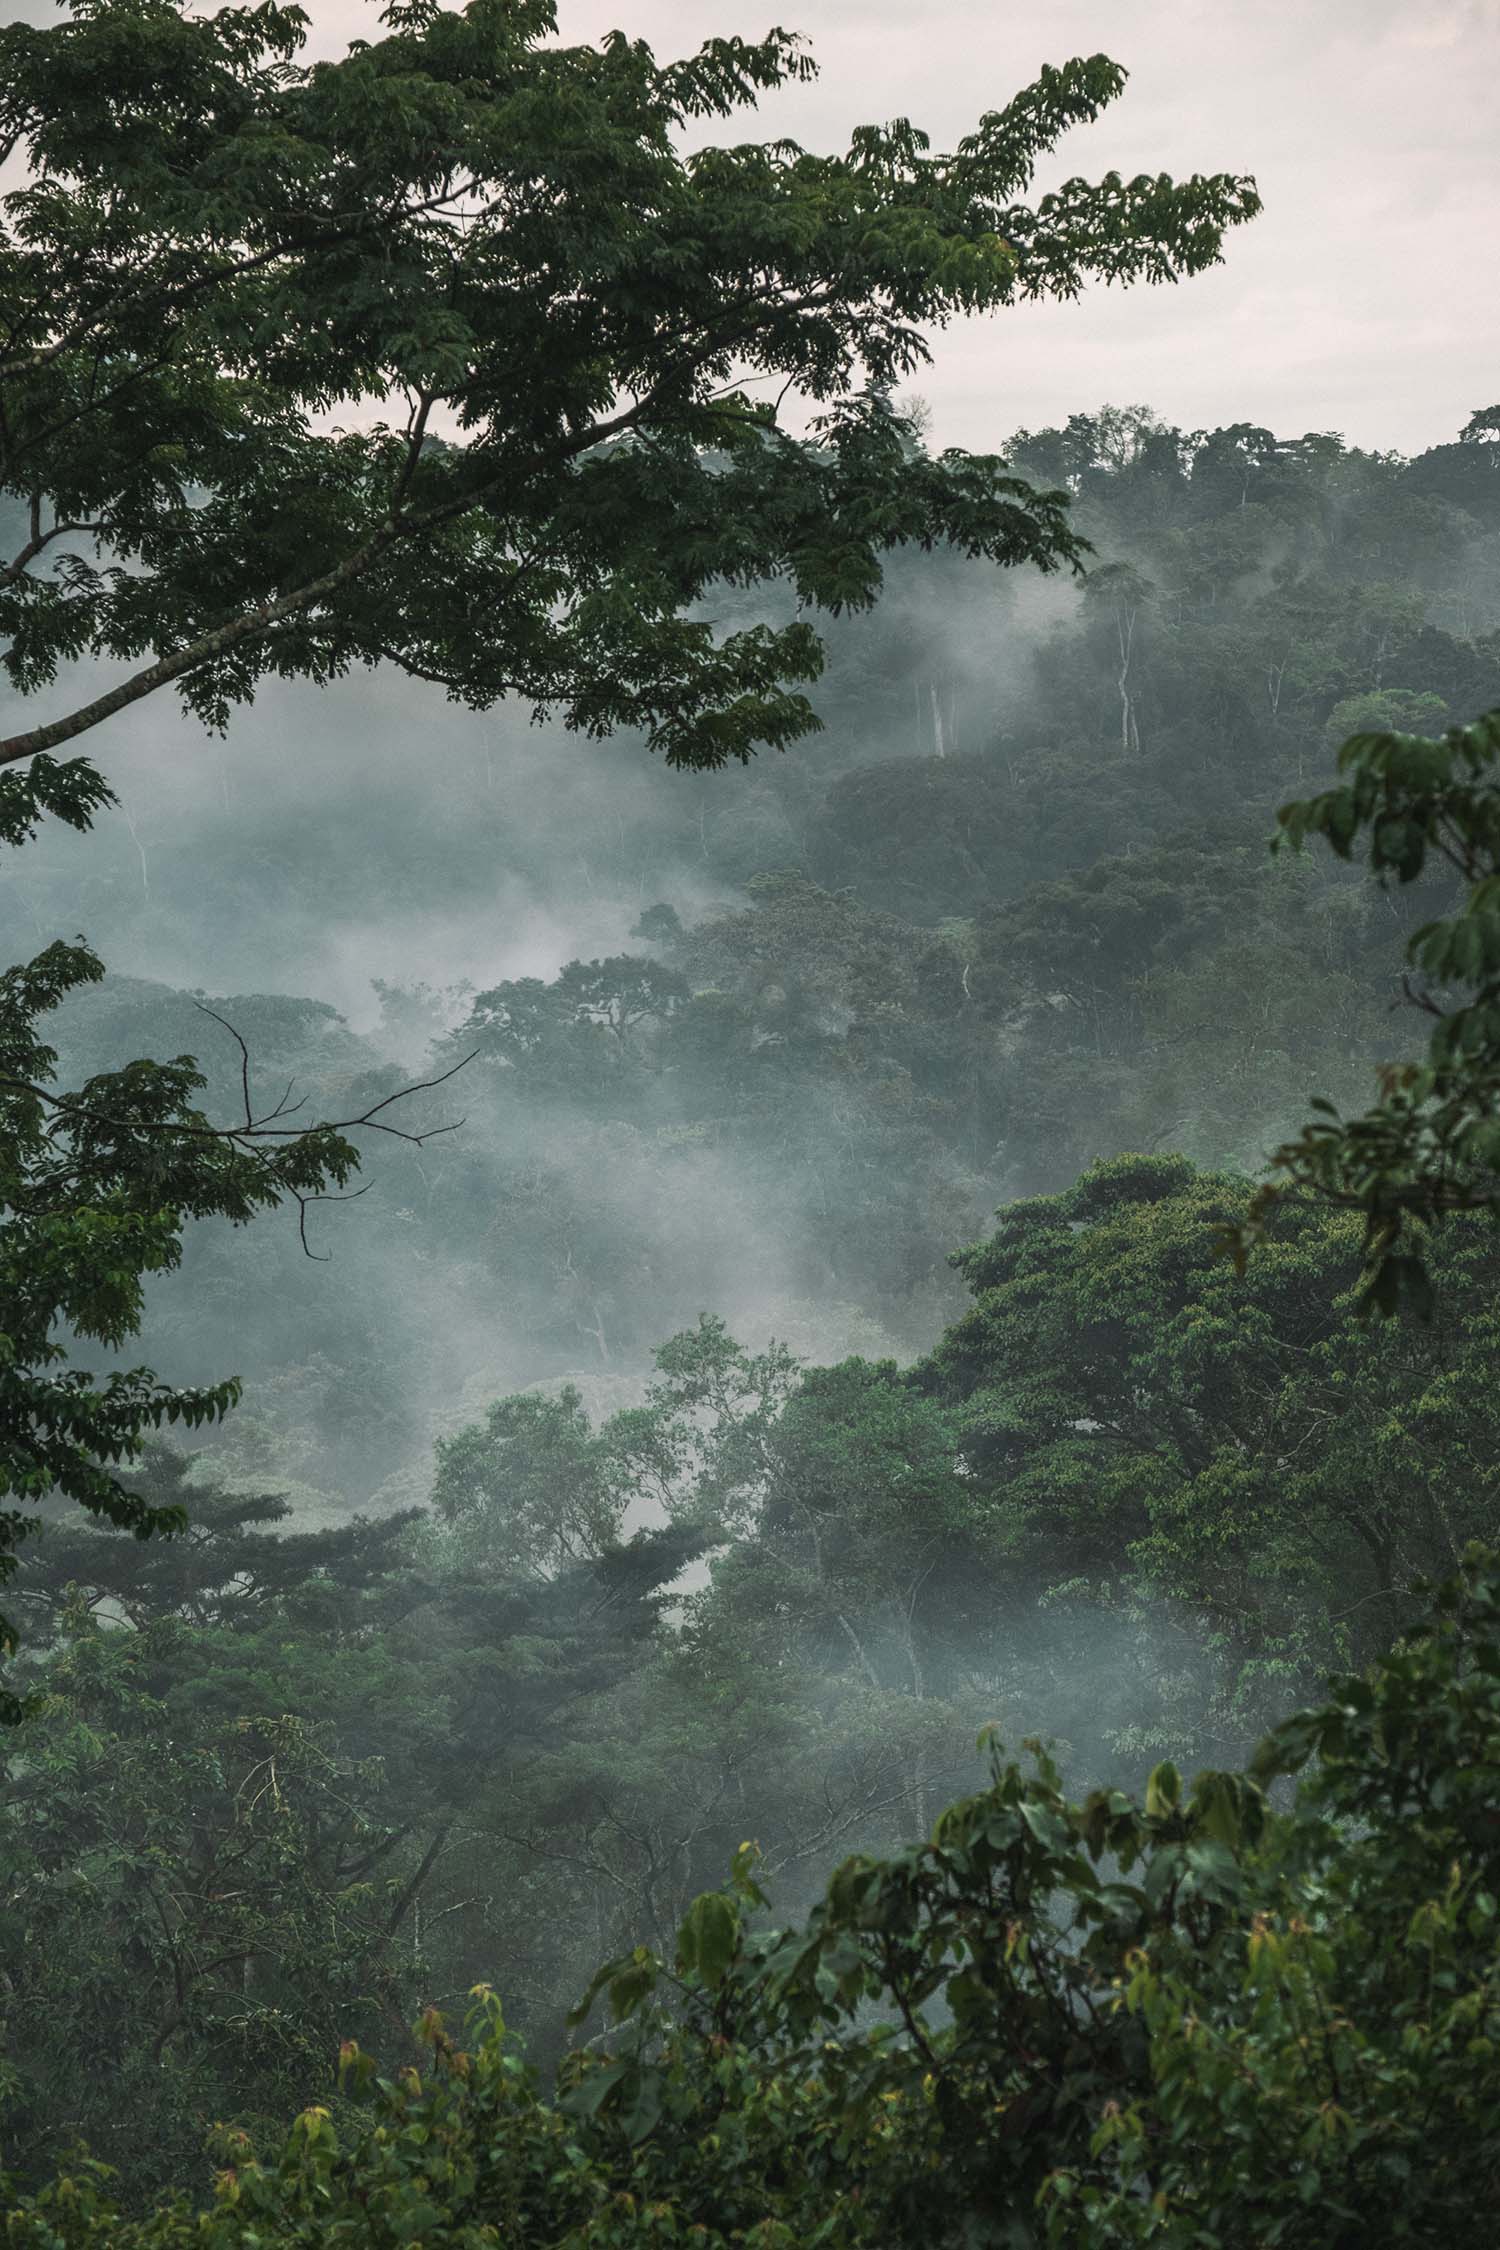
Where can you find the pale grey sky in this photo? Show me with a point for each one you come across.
(1363, 299)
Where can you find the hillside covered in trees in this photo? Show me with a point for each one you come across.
(847, 1333)
(819, 1019)
(555, 1664)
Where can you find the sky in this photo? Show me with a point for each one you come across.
(1362, 300)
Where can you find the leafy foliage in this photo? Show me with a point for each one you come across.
(1127, 1498)
(256, 1764)
(1238, 1447)
(216, 245)
(1164, 2020)
(98, 1186)
(1431, 1145)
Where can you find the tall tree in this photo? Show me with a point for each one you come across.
(552, 341)
(538, 328)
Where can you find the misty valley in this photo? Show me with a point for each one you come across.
(747, 1379)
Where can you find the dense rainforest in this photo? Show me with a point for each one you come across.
(401, 1714)
(808, 1376)
(811, 1023)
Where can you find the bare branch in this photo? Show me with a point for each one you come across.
(205, 1010)
(256, 1128)
(37, 543)
(304, 1205)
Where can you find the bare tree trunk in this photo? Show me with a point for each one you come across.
(858, 1647)
(1130, 739)
(919, 1696)
(141, 849)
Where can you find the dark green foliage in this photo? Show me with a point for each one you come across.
(215, 244)
(255, 1761)
(98, 1187)
(233, 1559)
(1129, 1499)
(1431, 1145)
(219, 1867)
(1173, 2019)
(1237, 1448)
(530, 1489)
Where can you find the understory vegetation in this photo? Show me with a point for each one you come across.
(1179, 2018)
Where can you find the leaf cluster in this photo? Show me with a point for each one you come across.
(1182, 2018)
(1430, 1146)
(552, 343)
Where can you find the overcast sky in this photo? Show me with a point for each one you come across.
(1364, 298)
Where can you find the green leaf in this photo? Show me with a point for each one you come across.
(1163, 1791)
(707, 1940)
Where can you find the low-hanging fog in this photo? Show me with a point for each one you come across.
(344, 872)
(741, 1504)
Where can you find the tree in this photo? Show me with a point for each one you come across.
(98, 1187)
(700, 1445)
(529, 1487)
(215, 243)
(228, 1566)
(1165, 2019)
(869, 1560)
(1268, 1474)
(1430, 1146)
(578, 1033)
(1116, 595)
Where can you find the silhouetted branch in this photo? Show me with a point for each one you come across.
(304, 1204)
(255, 1128)
(247, 1136)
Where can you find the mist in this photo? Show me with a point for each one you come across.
(342, 873)
(748, 1440)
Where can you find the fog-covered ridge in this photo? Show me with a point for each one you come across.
(1009, 911)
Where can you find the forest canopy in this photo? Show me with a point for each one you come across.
(815, 1383)
(556, 348)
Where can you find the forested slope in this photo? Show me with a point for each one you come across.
(787, 1037)
(661, 1582)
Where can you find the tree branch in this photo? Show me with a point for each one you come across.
(253, 623)
(232, 269)
(35, 545)
(256, 1128)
